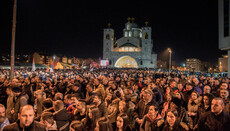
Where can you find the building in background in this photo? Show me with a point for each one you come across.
(193, 64)
(133, 50)
(223, 63)
(41, 58)
(224, 27)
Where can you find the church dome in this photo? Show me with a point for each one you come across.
(129, 25)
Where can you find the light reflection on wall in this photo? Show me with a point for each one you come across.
(129, 49)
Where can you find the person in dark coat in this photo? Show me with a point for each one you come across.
(182, 113)
(98, 100)
(61, 116)
(19, 101)
(216, 119)
(142, 107)
(25, 121)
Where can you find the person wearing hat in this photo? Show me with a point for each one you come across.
(182, 113)
(20, 99)
(142, 106)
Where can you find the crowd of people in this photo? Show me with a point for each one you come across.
(112, 100)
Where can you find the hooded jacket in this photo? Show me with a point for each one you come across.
(62, 118)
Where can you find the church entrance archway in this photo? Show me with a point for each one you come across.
(126, 62)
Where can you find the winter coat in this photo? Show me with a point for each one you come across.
(62, 117)
(177, 127)
(142, 109)
(152, 125)
(113, 110)
(19, 102)
(211, 122)
(227, 107)
(103, 110)
(35, 126)
(10, 106)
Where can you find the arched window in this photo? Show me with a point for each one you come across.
(107, 36)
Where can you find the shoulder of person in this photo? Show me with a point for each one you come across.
(11, 127)
(39, 125)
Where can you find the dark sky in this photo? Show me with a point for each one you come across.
(74, 28)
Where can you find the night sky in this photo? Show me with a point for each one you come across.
(73, 28)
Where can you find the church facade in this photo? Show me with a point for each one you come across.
(133, 50)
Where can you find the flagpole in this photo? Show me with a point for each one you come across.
(13, 40)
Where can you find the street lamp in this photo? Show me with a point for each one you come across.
(13, 41)
(170, 59)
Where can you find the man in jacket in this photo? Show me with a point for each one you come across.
(20, 100)
(25, 121)
(216, 119)
(61, 116)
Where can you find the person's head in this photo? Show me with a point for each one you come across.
(179, 95)
(76, 125)
(74, 99)
(47, 103)
(172, 84)
(103, 124)
(168, 90)
(122, 121)
(76, 86)
(153, 110)
(109, 96)
(16, 90)
(80, 105)
(122, 107)
(58, 105)
(168, 97)
(216, 82)
(135, 86)
(207, 99)
(112, 84)
(194, 95)
(67, 99)
(223, 85)
(9, 91)
(39, 94)
(224, 94)
(89, 87)
(207, 89)
(175, 103)
(96, 82)
(2, 113)
(58, 96)
(26, 115)
(188, 86)
(147, 95)
(180, 86)
(97, 99)
(217, 105)
(172, 116)
(47, 118)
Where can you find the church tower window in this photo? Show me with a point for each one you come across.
(130, 34)
(146, 36)
(107, 37)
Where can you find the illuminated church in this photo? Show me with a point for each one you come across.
(133, 50)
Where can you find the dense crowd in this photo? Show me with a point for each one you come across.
(112, 100)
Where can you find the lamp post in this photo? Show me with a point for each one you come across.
(13, 41)
(170, 59)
